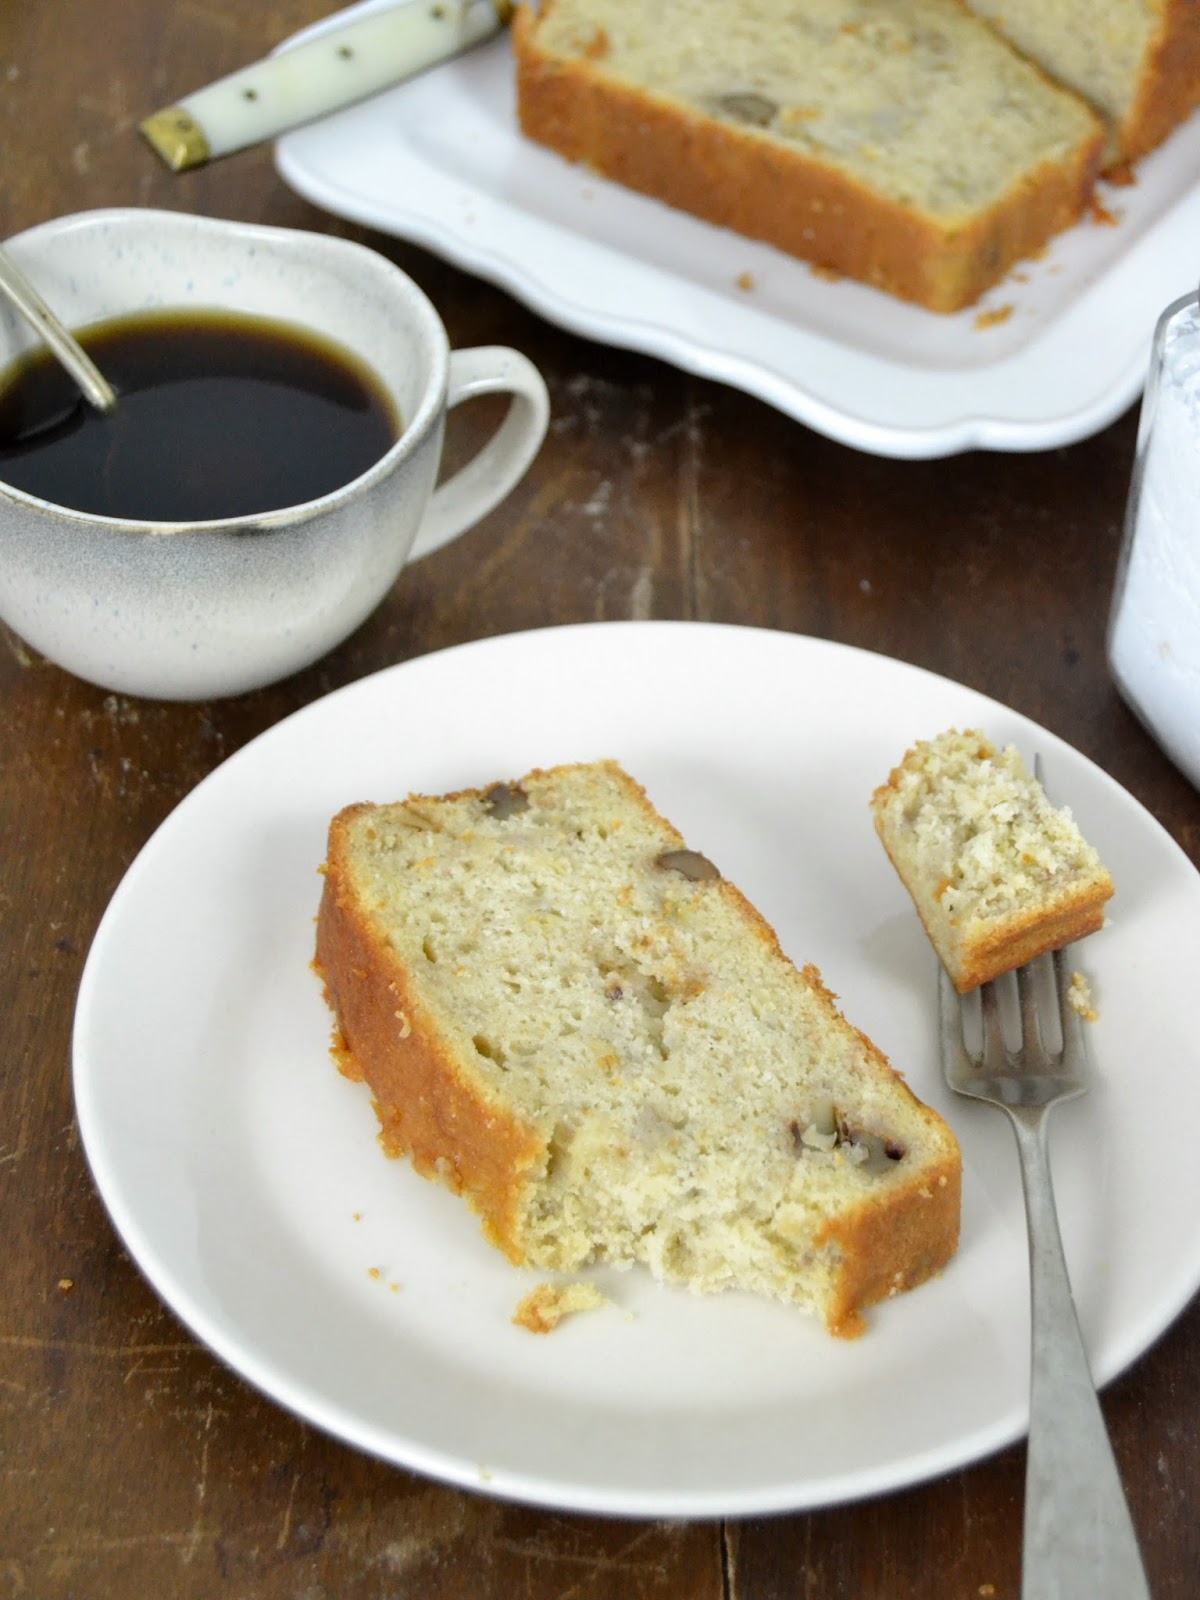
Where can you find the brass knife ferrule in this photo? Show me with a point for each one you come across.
(176, 138)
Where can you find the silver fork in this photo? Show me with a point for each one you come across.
(1079, 1541)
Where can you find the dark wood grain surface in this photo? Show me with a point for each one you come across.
(131, 1462)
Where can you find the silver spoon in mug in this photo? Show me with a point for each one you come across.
(73, 357)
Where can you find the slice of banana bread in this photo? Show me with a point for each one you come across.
(577, 1023)
(997, 874)
(1136, 61)
(899, 142)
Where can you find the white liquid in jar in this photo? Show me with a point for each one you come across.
(1154, 635)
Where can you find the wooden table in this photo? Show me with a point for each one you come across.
(131, 1462)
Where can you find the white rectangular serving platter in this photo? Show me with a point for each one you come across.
(1049, 357)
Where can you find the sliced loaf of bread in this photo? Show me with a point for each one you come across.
(998, 875)
(574, 1021)
(899, 142)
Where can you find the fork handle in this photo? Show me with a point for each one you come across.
(1079, 1541)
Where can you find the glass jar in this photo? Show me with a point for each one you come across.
(1154, 626)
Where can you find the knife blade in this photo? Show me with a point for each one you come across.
(301, 82)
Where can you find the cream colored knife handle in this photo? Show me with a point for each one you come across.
(335, 68)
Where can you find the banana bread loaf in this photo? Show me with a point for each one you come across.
(899, 142)
(574, 1021)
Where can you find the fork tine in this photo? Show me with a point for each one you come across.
(1027, 999)
(954, 1049)
(1074, 1054)
(995, 1052)
(1033, 1044)
(1074, 1044)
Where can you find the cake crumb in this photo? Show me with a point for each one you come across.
(993, 318)
(543, 1308)
(1102, 215)
(1080, 996)
(66, 1284)
(745, 280)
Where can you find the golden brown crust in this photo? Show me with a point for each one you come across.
(427, 1107)
(1170, 90)
(789, 200)
(1020, 940)
(916, 1225)
(897, 1239)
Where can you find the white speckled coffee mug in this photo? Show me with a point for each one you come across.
(193, 611)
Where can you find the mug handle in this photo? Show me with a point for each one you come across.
(474, 490)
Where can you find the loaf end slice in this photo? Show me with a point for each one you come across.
(578, 1024)
(1136, 61)
(998, 874)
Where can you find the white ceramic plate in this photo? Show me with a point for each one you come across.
(243, 1173)
(439, 161)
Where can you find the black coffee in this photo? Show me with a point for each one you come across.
(217, 415)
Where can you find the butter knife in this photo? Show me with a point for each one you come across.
(335, 68)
